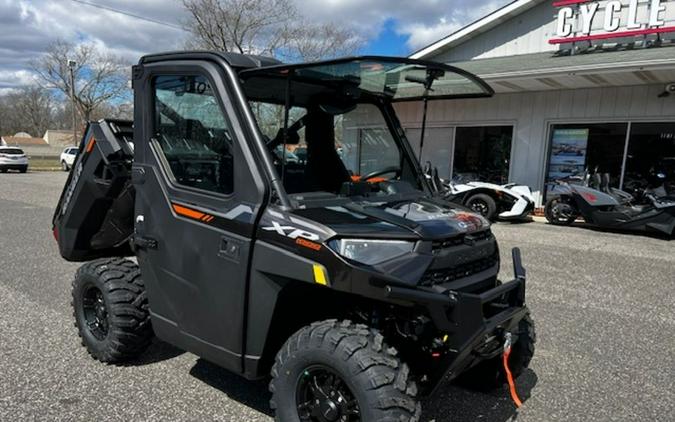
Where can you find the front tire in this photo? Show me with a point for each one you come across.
(111, 311)
(483, 204)
(340, 371)
(560, 212)
(489, 375)
(64, 165)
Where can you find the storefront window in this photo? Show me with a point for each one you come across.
(483, 153)
(651, 151)
(437, 148)
(596, 147)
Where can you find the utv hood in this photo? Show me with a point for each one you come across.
(419, 218)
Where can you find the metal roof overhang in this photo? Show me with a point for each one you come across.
(544, 71)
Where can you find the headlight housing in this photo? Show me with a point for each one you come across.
(371, 251)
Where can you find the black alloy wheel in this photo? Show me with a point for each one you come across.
(339, 371)
(111, 309)
(560, 212)
(95, 312)
(480, 207)
(482, 204)
(323, 396)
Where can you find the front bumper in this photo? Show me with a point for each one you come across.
(521, 209)
(14, 166)
(475, 323)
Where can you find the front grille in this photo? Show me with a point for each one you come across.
(446, 275)
(437, 245)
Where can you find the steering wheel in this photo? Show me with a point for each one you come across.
(376, 173)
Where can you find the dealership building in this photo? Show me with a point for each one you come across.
(578, 85)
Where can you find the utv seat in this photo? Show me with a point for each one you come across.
(295, 180)
(325, 171)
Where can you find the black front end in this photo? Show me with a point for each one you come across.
(441, 305)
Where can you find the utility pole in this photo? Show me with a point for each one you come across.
(71, 67)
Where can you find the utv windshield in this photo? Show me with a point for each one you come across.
(340, 121)
(394, 78)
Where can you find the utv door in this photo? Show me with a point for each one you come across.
(197, 201)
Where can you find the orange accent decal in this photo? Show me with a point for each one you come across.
(307, 244)
(91, 143)
(187, 212)
(357, 178)
(376, 180)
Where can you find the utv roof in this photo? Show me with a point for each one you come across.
(236, 60)
(396, 77)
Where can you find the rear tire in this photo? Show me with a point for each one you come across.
(111, 311)
(559, 212)
(489, 375)
(483, 204)
(348, 369)
(64, 166)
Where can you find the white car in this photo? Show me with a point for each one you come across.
(68, 158)
(13, 158)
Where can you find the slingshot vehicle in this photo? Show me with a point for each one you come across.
(340, 274)
(609, 208)
(504, 202)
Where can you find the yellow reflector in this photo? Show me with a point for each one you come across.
(320, 275)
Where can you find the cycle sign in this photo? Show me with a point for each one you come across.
(584, 20)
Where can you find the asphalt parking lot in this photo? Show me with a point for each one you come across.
(602, 302)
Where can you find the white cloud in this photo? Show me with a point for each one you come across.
(423, 21)
(28, 26)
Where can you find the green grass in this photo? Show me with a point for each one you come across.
(44, 163)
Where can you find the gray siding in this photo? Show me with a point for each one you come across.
(525, 34)
(530, 31)
(532, 113)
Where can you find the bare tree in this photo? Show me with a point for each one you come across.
(34, 106)
(27, 109)
(324, 41)
(99, 77)
(240, 26)
(267, 27)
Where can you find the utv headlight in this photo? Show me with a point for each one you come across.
(369, 251)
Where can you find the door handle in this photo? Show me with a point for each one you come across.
(229, 248)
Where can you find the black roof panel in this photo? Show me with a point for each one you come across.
(233, 59)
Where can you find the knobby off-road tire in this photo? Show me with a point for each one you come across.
(370, 370)
(489, 375)
(111, 312)
(483, 204)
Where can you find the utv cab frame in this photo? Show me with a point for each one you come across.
(341, 273)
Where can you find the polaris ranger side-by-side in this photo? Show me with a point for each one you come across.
(341, 274)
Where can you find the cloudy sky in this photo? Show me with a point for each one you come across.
(393, 27)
